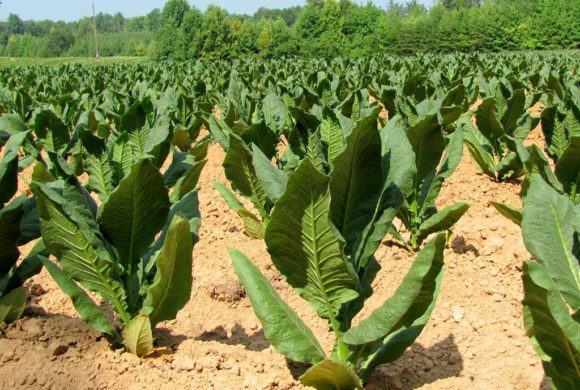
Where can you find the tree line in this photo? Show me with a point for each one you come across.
(319, 28)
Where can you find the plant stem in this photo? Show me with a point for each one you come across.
(122, 312)
(414, 245)
(342, 350)
(415, 223)
(129, 283)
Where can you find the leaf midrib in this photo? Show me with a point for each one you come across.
(563, 246)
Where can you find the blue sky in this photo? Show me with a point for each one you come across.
(75, 9)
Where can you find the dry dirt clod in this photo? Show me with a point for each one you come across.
(231, 291)
(33, 328)
(183, 363)
(458, 313)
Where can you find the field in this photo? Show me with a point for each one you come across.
(192, 125)
(27, 61)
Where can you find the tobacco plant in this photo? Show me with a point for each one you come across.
(565, 179)
(559, 127)
(322, 236)
(436, 157)
(18, 226)
(502, 124)
(247, 162)
(561, 118)
(551, 228)
(134, 250)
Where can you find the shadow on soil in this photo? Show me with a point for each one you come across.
(254, 342)
(396, 244)
(419, 366)
(165, 338)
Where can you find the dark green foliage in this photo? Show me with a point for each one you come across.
(18, 226)
(551, 283)
(320, 28)
(115, 253)
(322, 235)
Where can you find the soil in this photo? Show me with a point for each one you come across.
(474, 340)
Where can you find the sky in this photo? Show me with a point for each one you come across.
(70, 10)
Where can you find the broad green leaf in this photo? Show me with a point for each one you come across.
(228, 196)
(122, 157)
(442, 220)
(275, 113)
(572, 119)
(449, 115)
(480, 150)
(199, 151)
(188, 182)
(171, 288)
(273, 180)
(568, 169)
(89, 311)
(135, 212)
(300, 135)
(515, 109)
(242, 175)
(263, 137)
(133, 119)
(454, 96)
(306, 248)
(355, 181)
(97, 164)
(180, 164)
(489, 125)
(395, 344)
(12, 124)
(314, 151)
(181, 139)
(187, 207)
(512, 213)
(12, 305)
(70, 238)
(398, 157)
(51, 131)
(349, 310)
(554, 131)
(158, 141)
(220, 132)
(398, 170)
(282, 326)
(450, 160)
(137, 141)
(535, 162)
(30, 266)
(9, 167)
(428, 144)
(410, 301)
(41, 174)
(138, 336)
(331, 135)
(510, 167)
(548, 233)
(253, 227)
(554, 333)
(9, 232)
(331, 375)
